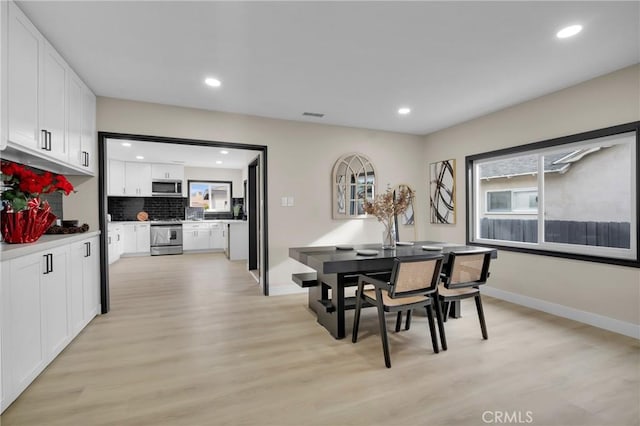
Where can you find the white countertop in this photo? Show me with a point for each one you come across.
(46, 242)
(184, 221)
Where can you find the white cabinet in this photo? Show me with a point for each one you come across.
(137, 179)
(84, 283)
(44, 112)
(115, 242)
(52, 103)
(195, 236)
(47, 297)
(116, 185)
(129, 179)
(81, 128)
(3, 80)
(238, 241)
(167, 171)
(23, 56)
(35, 316)
(137, 238)
(216, 236)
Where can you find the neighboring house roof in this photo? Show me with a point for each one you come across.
(528, 164)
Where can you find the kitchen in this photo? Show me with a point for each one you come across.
(172, 199)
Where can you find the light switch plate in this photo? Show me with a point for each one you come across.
(283, 201)
(290, 201)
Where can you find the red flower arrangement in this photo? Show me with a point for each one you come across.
(24, 216)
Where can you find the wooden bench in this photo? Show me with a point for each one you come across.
(305, 279)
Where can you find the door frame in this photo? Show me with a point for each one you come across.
(103, 202)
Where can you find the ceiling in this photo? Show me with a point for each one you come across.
(187, 155)
(355, 62)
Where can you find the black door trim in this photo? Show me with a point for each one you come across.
(102, 199)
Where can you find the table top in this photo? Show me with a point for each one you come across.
(331, 260)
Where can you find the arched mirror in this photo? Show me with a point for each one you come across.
(354, 180)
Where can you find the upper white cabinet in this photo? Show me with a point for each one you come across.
(137, 179)
(167, 171)
(3, 73)
(24, 43)
(49, 113)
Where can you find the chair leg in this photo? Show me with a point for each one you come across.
(398, 321)
(445, 310)
(407, 324)
(383, 329)
(443, 337)
(356, 318)
(483, 324)
(432, 329)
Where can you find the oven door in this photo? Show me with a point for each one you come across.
(166, 235)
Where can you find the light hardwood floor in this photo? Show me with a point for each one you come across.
(190, 341)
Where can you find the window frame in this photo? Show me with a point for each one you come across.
(553, 249)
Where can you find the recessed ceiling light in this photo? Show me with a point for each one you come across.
(569, 31)
(404, 111)
(218, 162)
(139, 157)
(224, 152)
(126, 144)
(213, 82)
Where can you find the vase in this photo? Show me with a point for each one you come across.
(389, 235)
(25, 226)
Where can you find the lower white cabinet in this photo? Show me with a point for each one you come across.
(202, 236)
(115, 242)
(47, 298)
(137, 238)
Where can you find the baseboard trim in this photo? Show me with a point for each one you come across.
(600, 321)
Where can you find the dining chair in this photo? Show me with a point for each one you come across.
(413, 284)
(461, 277)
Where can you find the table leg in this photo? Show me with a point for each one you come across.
(329, 308)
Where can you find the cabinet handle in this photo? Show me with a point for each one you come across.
(118, 237)
(109, 240)
(51, 263)
(48, 263)
(85, 158)
(87, 251)
(44, 139)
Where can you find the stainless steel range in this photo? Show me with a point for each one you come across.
(166, 237)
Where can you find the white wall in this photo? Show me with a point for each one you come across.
(608, 293)
(300, 161)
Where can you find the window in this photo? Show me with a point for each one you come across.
(512, 201)
(575, 196)
(212, 196)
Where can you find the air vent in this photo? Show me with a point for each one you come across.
(313, 114)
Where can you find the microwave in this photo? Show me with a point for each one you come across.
(166, 188)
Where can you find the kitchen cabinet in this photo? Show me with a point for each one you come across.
(196, 236)
(137, 238)
(167, 171)
(137, 179)
(43, 117)
(115, 242)
(116, 179)
(81, 117)
(3, 79)
(237, 241)
(46, 298)
(35, 322)
(84, 283)
(216, 236)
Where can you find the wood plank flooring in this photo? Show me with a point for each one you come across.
(190, 341)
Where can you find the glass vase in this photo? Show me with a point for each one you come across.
(389, 235)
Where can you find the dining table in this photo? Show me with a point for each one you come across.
(338, 267)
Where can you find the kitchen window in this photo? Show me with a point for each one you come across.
(575, 196)
(212, 196)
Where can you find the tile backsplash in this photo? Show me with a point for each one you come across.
(126, 208)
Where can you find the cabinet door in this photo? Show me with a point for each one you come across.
(76, 277)
(116, 178)
(143, 238)
(52, 103)
(74, 120)
(88, 132)
(167, 171)
(137, 179)
(129, 238)
(55, 296)
(23, 45)
(216, 238)
(23, 355)
(91, 279)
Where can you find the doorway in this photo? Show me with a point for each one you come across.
(258, 196)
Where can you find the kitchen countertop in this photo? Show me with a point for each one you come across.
(46, 242)
(184, 221)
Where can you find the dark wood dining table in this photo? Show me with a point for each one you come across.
(336, 269)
